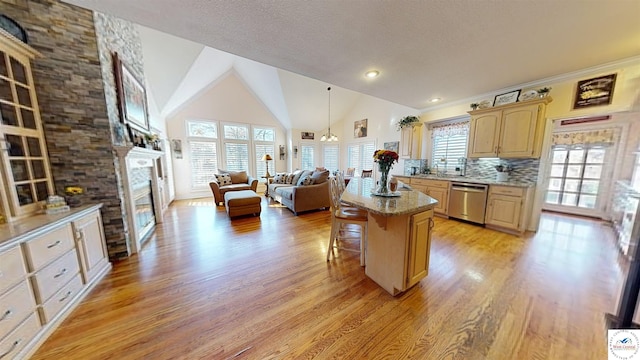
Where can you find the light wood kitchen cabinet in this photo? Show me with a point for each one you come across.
(43, 262)
(508, 131)
(437, 189)
(419, 247)
(411, 142)
(508, 207)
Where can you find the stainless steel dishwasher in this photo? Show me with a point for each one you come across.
(468, 201)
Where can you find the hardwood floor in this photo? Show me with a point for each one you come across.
(205, 287)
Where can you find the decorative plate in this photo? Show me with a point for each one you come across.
(528, 95)
(485, 104)
(389, 194)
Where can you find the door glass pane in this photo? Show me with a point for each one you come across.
(8, 114)
(34, 147)
(569, 199)
(576, 156)
(25, 196)
(24, 98)
(18, 71)
(559, 156)
(571, 185)
(587, 201)
(595, 156)
(590, 186)
(552, 197)
(557, 170)
(3, 65)
(573, 171)
(28, 121)
(19, 170)
(592, 171)
(555, 184)
(5, 91)
(37, 166)
(15, 145)
(41, 190)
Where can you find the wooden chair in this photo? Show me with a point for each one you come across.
(345, 215)
(367, 173)
(351, 171)
(341, 183)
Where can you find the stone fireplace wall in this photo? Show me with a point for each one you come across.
(76, 93)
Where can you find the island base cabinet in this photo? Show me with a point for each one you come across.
(398, 247)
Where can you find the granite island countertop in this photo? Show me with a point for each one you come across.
(471, 180)
(358, 194)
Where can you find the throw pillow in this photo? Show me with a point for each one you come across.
(223, 179)
(320, 176)
(296, 176)
(237, 177)
(280, 178)
(289, 179)
(305, 180)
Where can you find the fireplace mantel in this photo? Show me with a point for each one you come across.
(131, 158)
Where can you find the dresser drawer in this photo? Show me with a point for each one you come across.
(47, 247)
(61, 298)
(15, 306)
(50, 279)
(12, 269)
(506, 190)
(11, 345)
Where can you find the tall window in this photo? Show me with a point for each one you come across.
(449, 144)
(203, 151)
(236, 147)
(307, 156)
(331, 156)
(264, 143)
(360, 156)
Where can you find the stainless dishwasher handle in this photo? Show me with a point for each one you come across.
(465, 189)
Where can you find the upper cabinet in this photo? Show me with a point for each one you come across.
(25, 177)
(411, 142)
(508, 131)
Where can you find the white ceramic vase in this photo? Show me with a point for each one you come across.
(502, 176)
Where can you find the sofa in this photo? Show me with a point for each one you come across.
(231, 181)
(302, 190)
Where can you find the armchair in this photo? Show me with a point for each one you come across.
(239, 181)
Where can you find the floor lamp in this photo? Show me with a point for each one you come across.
(266, 158)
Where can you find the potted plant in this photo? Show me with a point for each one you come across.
(503, 172)
(474, 106)
(542, 92)
(409, 120)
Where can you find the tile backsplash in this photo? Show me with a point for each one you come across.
(524, 170)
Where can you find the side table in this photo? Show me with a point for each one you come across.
(268, 178)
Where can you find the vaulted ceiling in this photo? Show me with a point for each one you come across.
(453, 50)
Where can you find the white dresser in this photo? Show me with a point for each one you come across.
(48, 263)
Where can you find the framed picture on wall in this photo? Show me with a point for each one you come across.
(594, 92)
(360, 128)
(393, 146)
(507, 98)
(132, 96)
(307, 135)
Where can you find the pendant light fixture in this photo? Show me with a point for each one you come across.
(329, 136)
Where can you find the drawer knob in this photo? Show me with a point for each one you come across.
(54, 244)
(62, 272)
(6, 314)
(13, 346)
(66, 296)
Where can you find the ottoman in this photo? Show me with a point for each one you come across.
(242, 202)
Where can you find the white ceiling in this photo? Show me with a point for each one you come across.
(454, 50)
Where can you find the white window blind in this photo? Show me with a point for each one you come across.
(449, 144)
(307, 157)
(360, 156)
(331, 156)
(261, 166)
(204, 162)
(237, 156)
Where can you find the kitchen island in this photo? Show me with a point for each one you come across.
(399, 234)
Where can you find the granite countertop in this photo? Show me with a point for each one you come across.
(358, 194)
(470, 180)
(15, 232)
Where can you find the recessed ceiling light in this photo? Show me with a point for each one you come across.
(371, 74)
(435, 100)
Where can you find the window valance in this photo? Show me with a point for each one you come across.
(600, 137)
(450, 129)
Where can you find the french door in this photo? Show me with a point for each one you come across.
(577, 180)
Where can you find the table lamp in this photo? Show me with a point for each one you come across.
(266, 158)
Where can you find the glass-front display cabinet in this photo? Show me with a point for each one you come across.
(25, 180)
